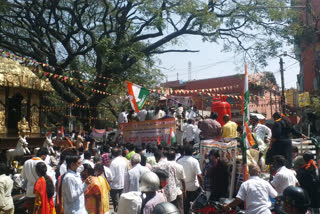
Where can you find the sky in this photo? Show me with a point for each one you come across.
(212, 62)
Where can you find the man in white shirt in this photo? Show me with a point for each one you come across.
(29, 174)
(164, 164)
(262, 131)
(255, 193)
(131, 182)
(284, 177)
(119, 167)
(87, 159)
(193, 175)
(6, 185)
(123, 117)
(190, 131)
(193, 113)
(72, 188)
(180, 181)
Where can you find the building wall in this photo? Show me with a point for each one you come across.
(266, 102)
(308, 74)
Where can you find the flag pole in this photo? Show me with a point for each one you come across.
(244, 137)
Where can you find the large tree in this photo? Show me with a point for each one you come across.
(117, 39)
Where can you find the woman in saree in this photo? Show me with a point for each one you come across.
(93, 192)
(105, 188)
(44, 191)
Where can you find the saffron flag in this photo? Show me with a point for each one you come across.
(172, 137)
(137, 95)
(61, 132)
(247, 135)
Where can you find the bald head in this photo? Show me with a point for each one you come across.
(254, 170)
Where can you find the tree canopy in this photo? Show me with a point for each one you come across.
(120, 39)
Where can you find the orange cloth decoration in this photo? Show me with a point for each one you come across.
(309, 164)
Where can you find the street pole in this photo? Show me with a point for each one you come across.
(283, 103)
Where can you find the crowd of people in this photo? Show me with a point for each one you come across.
(140, 178)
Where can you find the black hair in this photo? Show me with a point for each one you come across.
(188, 150)
(96, 159)
(157, 110)
(171, 155)
(90, 170)
(72, 159)
(214, 115)
(254, 118)
(158, 154)
(307, 157)
(87, 155)
(143, 146)
(166, 151)
(105, 148)
(278, 161)
(115, 152)
(295, 149)
(161, 173)
(276, 115)
(42, 151)
(143, 160)
(139, 149)
(3, 168)
(41, 169)
(100, 167)
(215, 153)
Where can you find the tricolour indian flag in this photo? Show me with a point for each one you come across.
(137, 95)
(245, 111)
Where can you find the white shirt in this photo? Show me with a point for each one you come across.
(86, 161)
(170, 189)
(255, 192)
(142, 115)
(73, 193)
(191, 169)
(108, 174)
(190, 132)
(180, 110)
(160, 115)
(261, 131)
(29, 173)
(179, 176)
(285, 177)
(63, 168)
(192, 115)
(131, 181)
(6, 185)
(123, 117)
(118, 167)
(130, 203)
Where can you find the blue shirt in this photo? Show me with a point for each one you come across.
(73, 193)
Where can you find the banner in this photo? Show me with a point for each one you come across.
(147, 131)
(226, 149)
(304, 99)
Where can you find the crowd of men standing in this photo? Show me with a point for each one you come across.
(138, 178)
